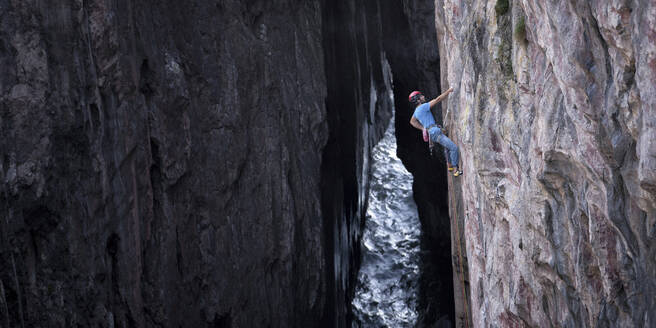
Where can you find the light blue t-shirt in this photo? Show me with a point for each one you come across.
(424, 115)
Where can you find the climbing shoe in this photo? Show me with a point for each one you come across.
(457, 173)
(450, 168)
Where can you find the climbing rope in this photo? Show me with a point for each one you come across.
(462, 271)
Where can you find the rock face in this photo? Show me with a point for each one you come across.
(555, 112)
(197, 163)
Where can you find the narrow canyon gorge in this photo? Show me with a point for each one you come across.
(209, 163)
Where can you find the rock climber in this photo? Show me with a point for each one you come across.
(422, 117)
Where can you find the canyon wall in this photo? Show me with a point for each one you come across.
(555, 112)
(197, 163)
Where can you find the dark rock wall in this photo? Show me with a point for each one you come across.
(163, 163)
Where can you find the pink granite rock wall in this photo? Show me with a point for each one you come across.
(555, 112)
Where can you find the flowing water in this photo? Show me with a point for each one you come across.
(386, 292)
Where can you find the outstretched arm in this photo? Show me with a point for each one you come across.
(440, 97)
(415, 122)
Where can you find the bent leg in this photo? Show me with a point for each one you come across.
(451, 146)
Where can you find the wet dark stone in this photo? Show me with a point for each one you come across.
(195, 163)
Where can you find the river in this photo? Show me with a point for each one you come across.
(386, 291)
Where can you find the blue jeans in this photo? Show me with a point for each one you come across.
(437, 136)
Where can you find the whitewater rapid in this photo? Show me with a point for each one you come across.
(386, 291)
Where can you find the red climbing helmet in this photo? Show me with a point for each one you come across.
(413, 95)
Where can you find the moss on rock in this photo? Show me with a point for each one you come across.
(520, 29)
(502, 7)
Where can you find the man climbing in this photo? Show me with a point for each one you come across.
(422, 117)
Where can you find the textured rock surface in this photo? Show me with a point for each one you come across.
(554, 110)
(161, 163)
